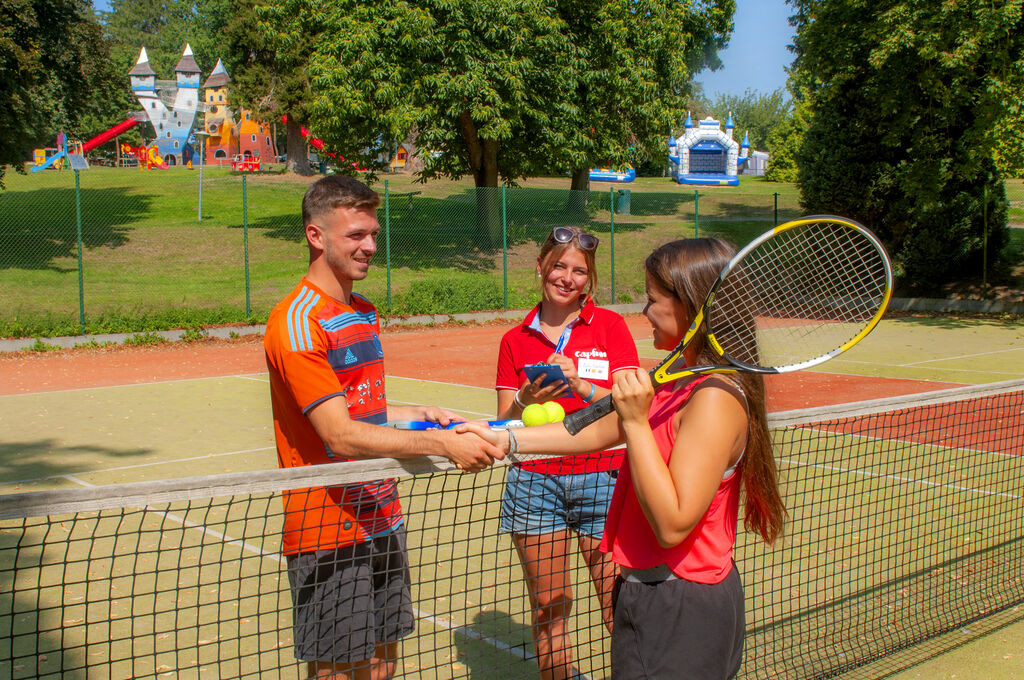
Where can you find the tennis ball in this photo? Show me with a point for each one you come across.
(555, 411)
(534, 414)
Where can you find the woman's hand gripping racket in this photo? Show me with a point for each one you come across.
(794, 297)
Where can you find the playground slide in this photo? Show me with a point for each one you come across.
(110, 134)
(49, 162)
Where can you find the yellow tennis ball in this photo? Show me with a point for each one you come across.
(555, 411)
(534, 414)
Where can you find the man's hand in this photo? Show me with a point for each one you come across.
(469, 451)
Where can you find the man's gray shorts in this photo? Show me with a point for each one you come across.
(349, 601)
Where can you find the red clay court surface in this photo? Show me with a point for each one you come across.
(452, 354)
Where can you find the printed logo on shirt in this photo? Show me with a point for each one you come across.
(350, 358)
(590, 354)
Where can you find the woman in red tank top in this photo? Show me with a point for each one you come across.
(692, 447)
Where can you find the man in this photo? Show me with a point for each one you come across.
(345, 545)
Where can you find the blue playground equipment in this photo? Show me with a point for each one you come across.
(610, 175)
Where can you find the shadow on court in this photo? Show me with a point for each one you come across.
(484, 659)
(33, 462)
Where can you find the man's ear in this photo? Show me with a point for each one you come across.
(315, 236)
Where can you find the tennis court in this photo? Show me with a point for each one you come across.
(903, 526)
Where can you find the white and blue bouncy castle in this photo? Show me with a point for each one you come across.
(706, 155)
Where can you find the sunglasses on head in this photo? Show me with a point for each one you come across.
(565, 235)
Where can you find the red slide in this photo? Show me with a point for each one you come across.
(110, 134)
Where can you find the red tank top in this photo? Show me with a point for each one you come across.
(706, 554)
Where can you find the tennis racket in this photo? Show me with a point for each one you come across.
(796, 296)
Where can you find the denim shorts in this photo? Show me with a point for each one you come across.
(536, 503)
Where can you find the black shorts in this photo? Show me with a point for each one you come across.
(678, 629)
(348, 601)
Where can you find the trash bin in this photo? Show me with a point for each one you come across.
(622, 199)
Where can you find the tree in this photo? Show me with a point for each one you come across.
(905, 97)
(53, 61)
(268, 50)
(630, 77)
(755, 114)
(785, 140)
(501, 89)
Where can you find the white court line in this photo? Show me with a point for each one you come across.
(864, 473)
(140, 384)
(281, 561)
(965, 356)
(137, 466)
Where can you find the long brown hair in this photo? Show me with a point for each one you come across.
(551, 250)
(687, 269)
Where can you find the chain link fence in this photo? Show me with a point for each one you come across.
(120, 250)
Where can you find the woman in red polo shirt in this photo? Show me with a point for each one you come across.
(546, 503)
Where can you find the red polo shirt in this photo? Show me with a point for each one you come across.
(599, 344)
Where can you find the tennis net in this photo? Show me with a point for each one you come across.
(906, 523)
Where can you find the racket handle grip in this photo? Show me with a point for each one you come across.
(574, 422)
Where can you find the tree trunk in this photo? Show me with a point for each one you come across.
(579, 193)
(298, 161)
(483, 161)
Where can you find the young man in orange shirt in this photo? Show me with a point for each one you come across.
(345, 545)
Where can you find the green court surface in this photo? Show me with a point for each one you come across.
(165, 430)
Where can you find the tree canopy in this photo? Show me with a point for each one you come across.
(499, 89)
(756, 114)
(905, 97)
(53, 73)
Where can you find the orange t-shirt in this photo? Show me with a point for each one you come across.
(319, 348)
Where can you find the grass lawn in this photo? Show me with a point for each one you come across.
(149, 262)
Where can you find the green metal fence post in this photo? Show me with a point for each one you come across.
(245, 246)
(984, 239)
(612, 244)
(81, 278)
(504, 245)
(776, 195)
(387, 238)
(611, 224)
(696, 213)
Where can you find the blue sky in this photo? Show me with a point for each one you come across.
(757, 55)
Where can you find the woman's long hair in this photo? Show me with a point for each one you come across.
(687, 269)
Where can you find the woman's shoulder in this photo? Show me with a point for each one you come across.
(607, 316)
(718, 392)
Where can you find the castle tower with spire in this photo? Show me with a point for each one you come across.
(222, 143)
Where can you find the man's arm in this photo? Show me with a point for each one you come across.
(354, 439)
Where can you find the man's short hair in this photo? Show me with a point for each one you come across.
(336, 191)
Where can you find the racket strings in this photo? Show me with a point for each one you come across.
(799, 295)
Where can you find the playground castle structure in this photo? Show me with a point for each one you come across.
(706, 155)
(173, 126)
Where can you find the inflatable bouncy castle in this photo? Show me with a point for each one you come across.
(706, 155)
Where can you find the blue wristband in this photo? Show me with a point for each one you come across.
(591, 395)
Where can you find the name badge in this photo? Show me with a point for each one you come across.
(596, 369)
